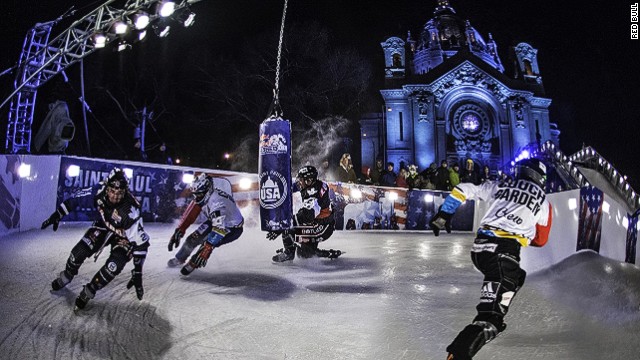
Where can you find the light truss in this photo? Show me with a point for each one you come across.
(41, 59)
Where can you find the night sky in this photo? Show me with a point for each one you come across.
(588, 63)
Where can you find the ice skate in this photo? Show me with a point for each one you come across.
(61, 281)
(285, 254)
(331, 254)
(85, 295)
(472, 338)
(174, 263)
(187, 269)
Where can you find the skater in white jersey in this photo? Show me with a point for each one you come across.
(224, 224)
(519, 215)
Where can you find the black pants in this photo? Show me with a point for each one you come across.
(94, 240)
(499, 261)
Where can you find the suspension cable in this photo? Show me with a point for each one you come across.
(276, 110)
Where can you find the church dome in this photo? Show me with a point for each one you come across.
(447, 33)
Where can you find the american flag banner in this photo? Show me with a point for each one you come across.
(632, 238)
(590, 219)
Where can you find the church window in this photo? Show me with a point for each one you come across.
(470, 122)
(527, 67)
(397, 61)
(401, 126)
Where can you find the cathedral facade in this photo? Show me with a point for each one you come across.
(447, 97)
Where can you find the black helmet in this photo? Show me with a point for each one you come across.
(308, 173)
(532, 170)
(117, 179)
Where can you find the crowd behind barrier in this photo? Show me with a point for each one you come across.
(32, 186)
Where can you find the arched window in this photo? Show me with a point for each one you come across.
(397, 61)
(527, 67)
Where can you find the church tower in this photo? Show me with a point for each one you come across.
(447, 97)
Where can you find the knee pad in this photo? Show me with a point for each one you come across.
(78, 255)
(114, 265)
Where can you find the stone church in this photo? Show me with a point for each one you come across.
(447, 97)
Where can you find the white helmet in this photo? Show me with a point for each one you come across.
(202, 186)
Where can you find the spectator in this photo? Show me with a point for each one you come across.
(366, 176)
(430, 173)
(442, 177)
(345, 172)
(388, 178)
(325, 172)
(413, 179)
(469, 174)
(377, 171)
(454, 176)
(401, 179)
(486, 175)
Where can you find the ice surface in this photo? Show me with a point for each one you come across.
(393, 295)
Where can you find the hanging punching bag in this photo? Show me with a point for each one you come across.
(274, 170)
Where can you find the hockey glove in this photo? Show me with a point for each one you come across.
(272, 235)
(175, 239)
(439, 221)
(54, 220)
(199, 259)
(136, 280)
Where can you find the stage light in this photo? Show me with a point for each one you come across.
(186, 18)
(120, 27)
(73, 170)
(245, 184)
(161, 30)
(122, 45)
(141, 20)
(187, 178)
(99, 40)
(356, 194)
(24, 170)
(167, 8)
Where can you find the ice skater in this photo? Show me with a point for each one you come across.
(119, 225)
(518, 215)
(313, 223)
(223, 225)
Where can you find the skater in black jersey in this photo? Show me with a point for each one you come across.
(313, 223)
(119, 226)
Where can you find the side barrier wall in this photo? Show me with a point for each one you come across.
(579, 222)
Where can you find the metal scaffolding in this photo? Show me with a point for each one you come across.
(42, 59)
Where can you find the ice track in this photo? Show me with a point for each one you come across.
(392, 296)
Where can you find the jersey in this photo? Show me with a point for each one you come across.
(123, 219)
(220, 208)
(515, 209)
(316, 198)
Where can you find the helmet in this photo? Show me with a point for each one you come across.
(116, 185)
(308, 173)
(532, 170)
(307, 176)
(117, 179)
(201, 186)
